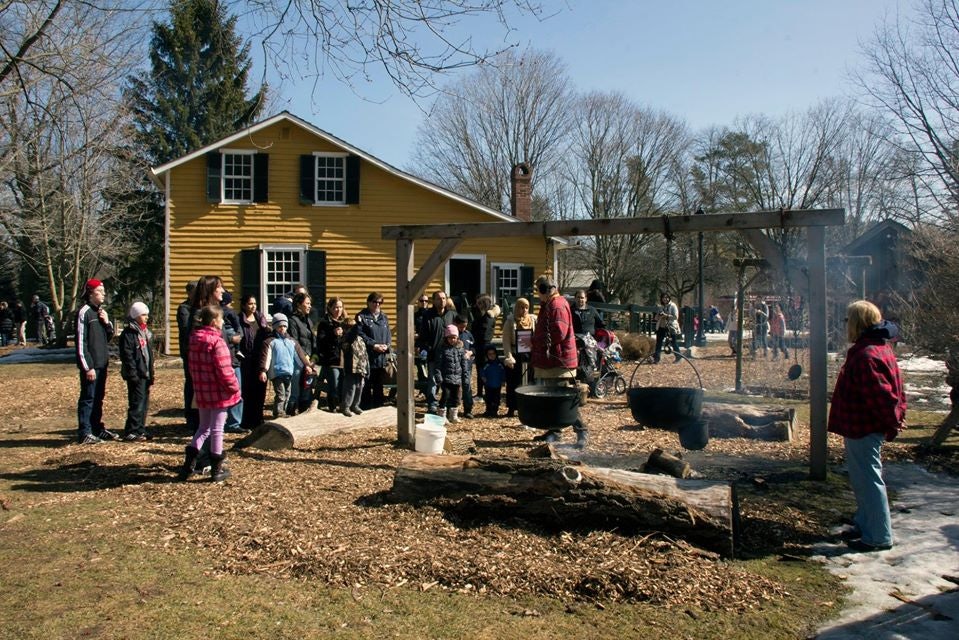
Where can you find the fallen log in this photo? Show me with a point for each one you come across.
(749, 421)
(659, 460)
(288, 433)
(563, 495)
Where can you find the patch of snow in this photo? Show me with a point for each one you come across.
(902, 593)
(36, 354)
(921, 364)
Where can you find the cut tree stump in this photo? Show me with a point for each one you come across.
(288, 433)
(749, 421)
(564, 495)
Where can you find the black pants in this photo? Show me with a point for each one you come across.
(373, 390)
(138, 401)
(661, 337)
(493, 396)
(451, 396)
(192, 415)
(254, 394)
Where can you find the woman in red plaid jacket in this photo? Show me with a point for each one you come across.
(868, 407)
(215, 389)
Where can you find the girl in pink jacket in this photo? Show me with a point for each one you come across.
(215, 389)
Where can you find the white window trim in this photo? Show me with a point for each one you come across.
(505, 265)
(465, 256)
(302, 248)
(329, 154)
(236, 152)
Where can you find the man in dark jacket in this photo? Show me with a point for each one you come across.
(586, 319)
(93, 333)
(184, 323)
(432, 329)
(374, 328)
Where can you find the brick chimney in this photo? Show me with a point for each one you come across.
(521, 192)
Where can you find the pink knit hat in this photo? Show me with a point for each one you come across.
(451, 330)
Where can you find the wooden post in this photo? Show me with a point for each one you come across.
(816, 252)
(740, 316)
(404, 342)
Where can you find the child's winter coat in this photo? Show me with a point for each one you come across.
(493, 374)
(451, 364)
(136, 354)
(214, 384)
(281, 357)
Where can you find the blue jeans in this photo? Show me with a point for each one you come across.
(865, 475)
(293, 404)
(334, 378)
(90, 404)
(234, 415)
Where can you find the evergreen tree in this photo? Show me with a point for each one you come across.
(194, 94)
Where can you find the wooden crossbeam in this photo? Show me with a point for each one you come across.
(616, 226)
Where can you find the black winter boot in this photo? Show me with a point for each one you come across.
(218, 473)
(188, 462)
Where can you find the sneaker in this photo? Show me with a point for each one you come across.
(134, 437)
(468, 415)
(846, 532)
(347, 413)
(90, 439)
(549, 436)
(356, 410)
(106, 434)
(859, 546)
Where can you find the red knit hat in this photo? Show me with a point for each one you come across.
(93, 283)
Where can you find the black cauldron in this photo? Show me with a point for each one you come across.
(547, 407)
(665, 407)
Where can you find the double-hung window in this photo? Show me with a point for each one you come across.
(328, 178)
(237, 177)
(284, 270)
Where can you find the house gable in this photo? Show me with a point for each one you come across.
(337, 249)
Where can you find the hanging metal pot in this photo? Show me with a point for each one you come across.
(547, 407)
(673, 408)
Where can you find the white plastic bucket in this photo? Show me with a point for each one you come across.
(430, 438)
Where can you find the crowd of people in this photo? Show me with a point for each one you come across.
(13, 322)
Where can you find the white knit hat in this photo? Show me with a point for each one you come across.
(138, 309)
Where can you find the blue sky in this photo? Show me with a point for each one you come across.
(706, 61)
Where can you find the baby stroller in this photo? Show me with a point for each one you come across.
(609, 353)
(587, 361)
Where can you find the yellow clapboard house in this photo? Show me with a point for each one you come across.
(283, 202)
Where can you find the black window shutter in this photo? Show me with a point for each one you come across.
(250, 276)
(261, 177)
(307, 180)
(526, 282)
(352, 179)
(214, 161)
(316, 281)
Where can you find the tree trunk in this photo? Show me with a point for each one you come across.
(749, 421)
(288, 433)
(558, 494)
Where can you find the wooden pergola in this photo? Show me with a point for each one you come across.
(410, 283)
